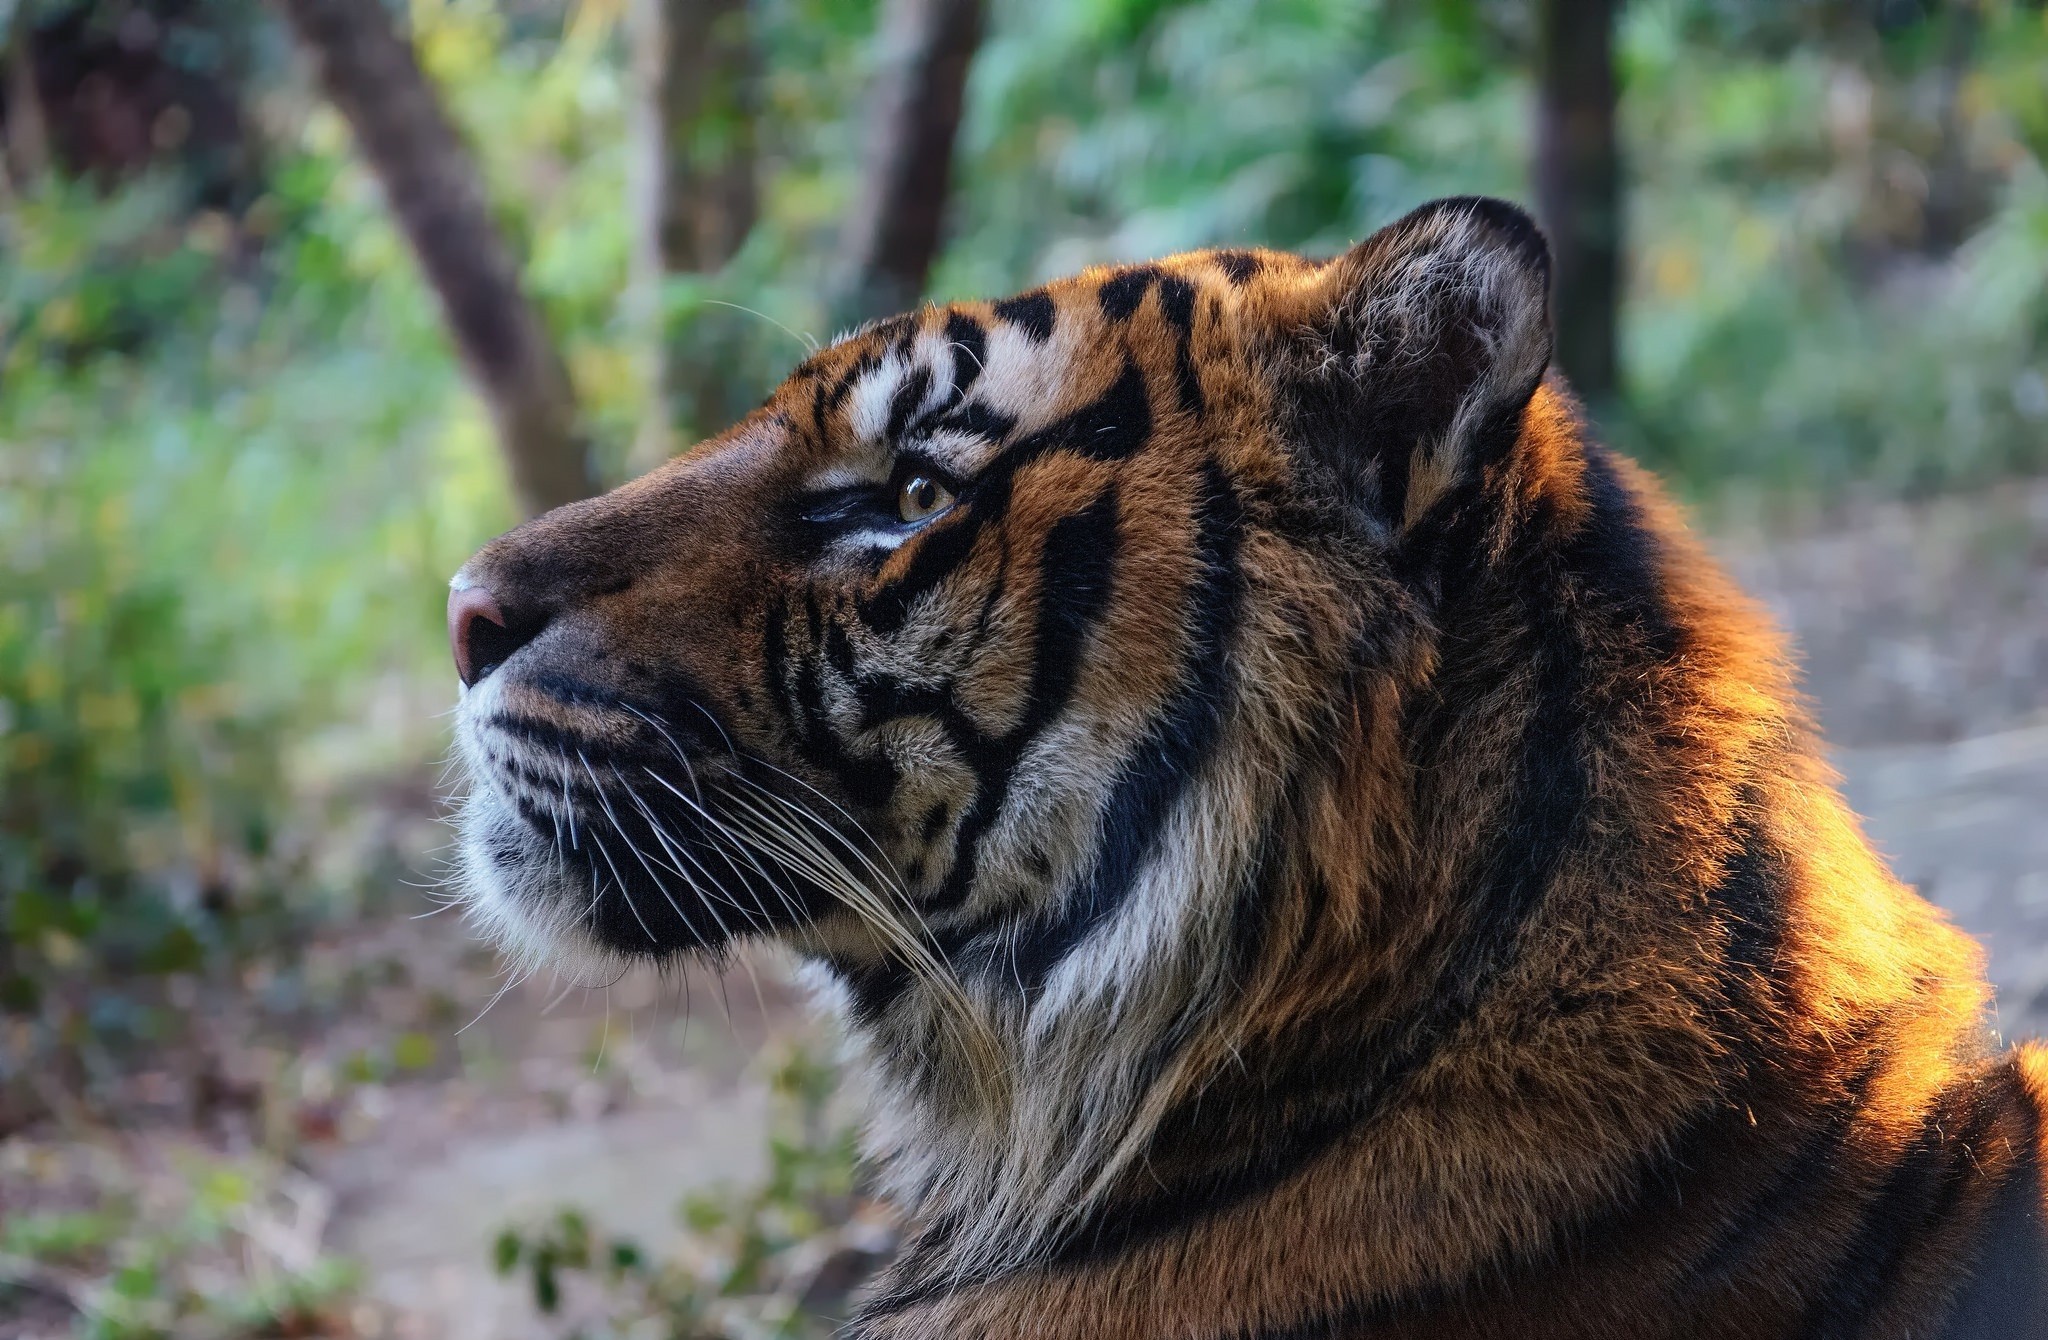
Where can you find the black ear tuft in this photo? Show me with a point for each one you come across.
(1405, 368)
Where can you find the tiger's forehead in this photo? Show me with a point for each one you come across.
(953, 384)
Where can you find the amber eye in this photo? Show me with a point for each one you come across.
(922, 496)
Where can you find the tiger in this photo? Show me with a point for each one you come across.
(1301, 838)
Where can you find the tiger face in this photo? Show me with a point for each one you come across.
(975, 663)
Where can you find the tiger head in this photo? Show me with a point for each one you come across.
(1299, 830)
(997, 663)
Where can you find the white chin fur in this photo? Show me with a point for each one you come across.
(527, 909)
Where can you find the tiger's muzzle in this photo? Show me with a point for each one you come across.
(611, 815)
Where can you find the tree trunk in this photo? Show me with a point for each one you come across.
(893, 232)
(1957, 198)
(433, 187)
(28, 137)
(693, 69)
(1578, 185)
(694, 194)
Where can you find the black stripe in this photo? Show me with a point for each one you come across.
(1619, 557)
(869, 780)
(1177, 301)
(969, 343)
(1077, 570)
(978, 419)
(1165, 763)
(1750, 1238)
(818, 393)
(839, 652)
(1922, 1189)
(941, 548)
(1076, 575)
(1293, 1105)
(1238, 266)
(872, 988)
(978, 636)
(809, 697)
(1121, 293)
(775, 662)
(861, 367)
(897, 332)
(1030, 312)
(1750, 902)
(909, 395)
(1188, 381)
(1110, 428)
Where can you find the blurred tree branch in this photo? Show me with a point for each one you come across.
(1955, 193)
(1578, 185)
(694, 165)
(28, 140)
(433, 187)
(893, 232)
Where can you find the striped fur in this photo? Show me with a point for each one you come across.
(1305, 843)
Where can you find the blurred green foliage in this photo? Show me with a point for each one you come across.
(208, 562)
(218, 1250)
(1797, 319)
(237, 460)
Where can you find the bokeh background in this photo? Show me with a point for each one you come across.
(299, 303)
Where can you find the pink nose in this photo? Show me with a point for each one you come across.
(477, 632)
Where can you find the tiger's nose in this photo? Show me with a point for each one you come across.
(480, 634)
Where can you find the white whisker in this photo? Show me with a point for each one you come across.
(711, 889)
(660, 884)
(624, 892)
(511, 982)
(807, 340)
(718, 827)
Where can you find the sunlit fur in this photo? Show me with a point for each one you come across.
(1305, 845)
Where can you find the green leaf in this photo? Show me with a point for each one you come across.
(505, 1251)
(414, 1051)
(547, 1290)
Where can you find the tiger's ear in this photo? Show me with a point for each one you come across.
(1406, 363)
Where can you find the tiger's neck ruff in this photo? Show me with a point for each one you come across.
(1304, 841)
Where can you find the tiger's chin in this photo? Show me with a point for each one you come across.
(539, 911)
(519, 895)
(575, 891)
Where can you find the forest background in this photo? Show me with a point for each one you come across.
(301, 302)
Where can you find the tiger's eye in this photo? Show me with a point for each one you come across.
(922, 496)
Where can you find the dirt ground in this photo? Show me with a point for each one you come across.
(618, 1103)
(1924, 635)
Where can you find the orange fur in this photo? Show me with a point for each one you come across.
(1389, 885)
